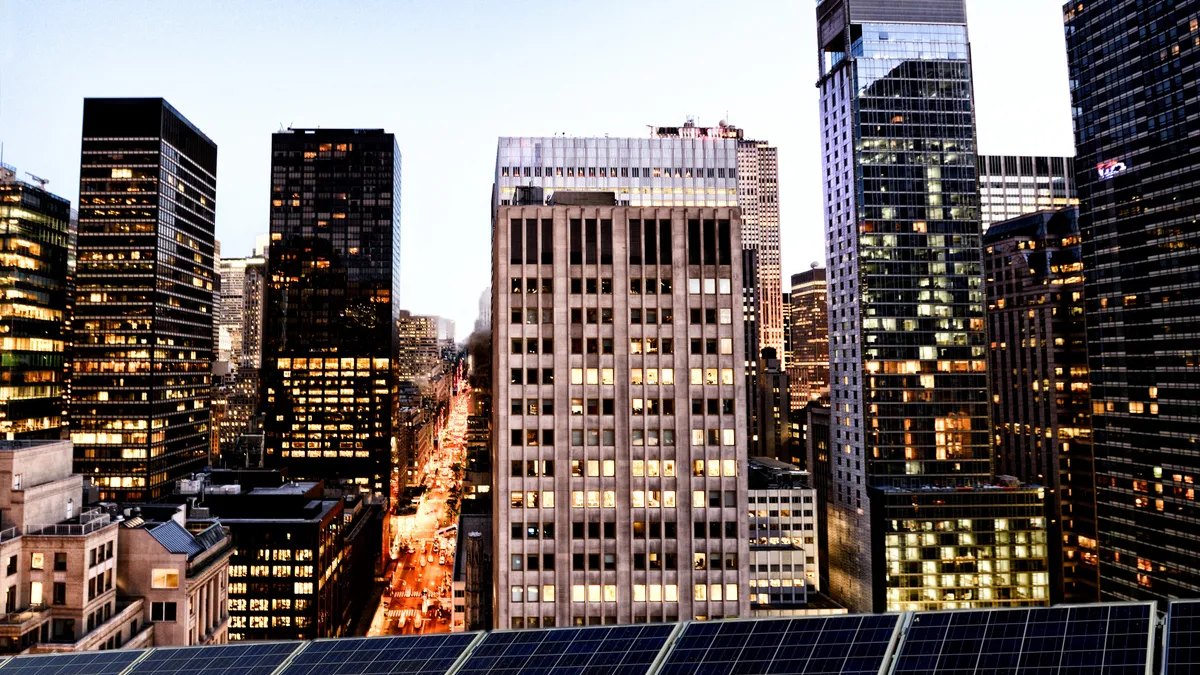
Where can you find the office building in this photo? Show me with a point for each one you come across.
(419, 353)
(751, 311)
(302, 565)
(1011, 186)
(783, 538)
(907, 345)
(772, 436)
(1139, 180)
(483, 322)
(619, 436)
(1037, 356)
(329, 343)
(473, 577)
(240, 310)
(143, 314)
(808, 361)
(817, 451)
(34, 234)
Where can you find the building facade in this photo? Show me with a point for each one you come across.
(1139, 186)
(1011, 186)
(143, 305)
(418, 349)
(241, 292)
(783, 538)
(610, 486)
(331, 305)
(906, 303)
(808, 362)
(1041, 411)
(773, 434)
(34, 233)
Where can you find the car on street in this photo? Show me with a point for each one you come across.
(442, 560)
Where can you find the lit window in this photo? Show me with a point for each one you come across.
(164, 578)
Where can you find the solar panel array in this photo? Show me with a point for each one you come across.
(416, 654)
(250, 658)
(838, 645)
(79, 663)
(1183, 638)
(1111, 639)
(615, 650)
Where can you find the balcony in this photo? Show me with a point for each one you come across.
(16, 624)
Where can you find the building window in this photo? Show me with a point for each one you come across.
(60, 561)
(165, 578)
(162, 611)
(37, 561)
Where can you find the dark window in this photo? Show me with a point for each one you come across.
(60, 562)
(548, 561)
(710, 242)
(699, 532)
(577, 530)
(731, 530)
(518, 531)
(515, 245)
(576, 241)
(664, 242)
(162, 611)
(694, 242)
(590, 240)
(724, 243)
(531, 247)
(60, 593)
(547, 242)
(651, 244)
(578, 562)
(635, 235)
(610, 530)
(606, 242)
(593, 530)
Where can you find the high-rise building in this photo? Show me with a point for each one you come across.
(484, 321)
(1037, 357)
(239, 283)
(758, 201)
(419, 352)
(783, 538)
(906, 322)
(619, 438)
(34, 235)
(332, 305)
(772, 437)
(808, 362)
(253, 306)
(1138, 179)
(143, 316)
(1011, 186)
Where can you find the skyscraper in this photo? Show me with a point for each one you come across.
(1037, 356)
(143, 317)
(906, 321)
(808, 364)
(419, 351)
(1011, 186)
(33, 274)
(619, 434)
(332, 294)
(1138, 179)
(236, 276)
(758, 200)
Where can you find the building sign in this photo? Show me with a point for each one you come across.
(1109, 168)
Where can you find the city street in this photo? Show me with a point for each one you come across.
(418, 599)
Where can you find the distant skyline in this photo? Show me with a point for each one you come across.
(449, 78)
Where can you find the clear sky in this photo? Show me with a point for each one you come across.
(448, 77)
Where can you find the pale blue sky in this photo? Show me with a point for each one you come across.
(449, 77)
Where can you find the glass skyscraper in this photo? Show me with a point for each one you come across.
(143, 317)
(33, 274)
(1134, 96)
(906, 321)
(333, 285)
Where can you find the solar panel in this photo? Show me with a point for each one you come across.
(417, 654)
(255, 658)
(109, 662)
(1113, 639)
(1183, 638)
(840, 645)
(607, 650)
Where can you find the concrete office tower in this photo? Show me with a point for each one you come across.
(419, 351)
(783, 539)
(1011, 186)
(143, 316)
(332, 293)
(1037, 357)
(619, 432)
(34, 235)
(241, 289)
(253, 304)
(1138, 178)
(906, 322)
(758, 201)
(808, 363)
(772, 437)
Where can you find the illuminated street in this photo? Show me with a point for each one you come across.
(418, 597)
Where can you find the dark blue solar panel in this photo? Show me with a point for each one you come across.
(1183, 638)
(838, 645)
(236, 659)
(615, 650)
(1112, 639)
(83, 663)
(418, 654)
